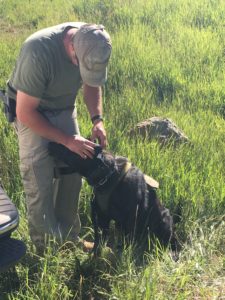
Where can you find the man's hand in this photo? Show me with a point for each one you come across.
(99, 133)
(81, 146)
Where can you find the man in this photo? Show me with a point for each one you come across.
(53, 64)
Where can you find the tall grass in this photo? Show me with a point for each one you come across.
(168, 60)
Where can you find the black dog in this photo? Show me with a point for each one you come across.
(121, 193)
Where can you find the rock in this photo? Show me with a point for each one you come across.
(162, 129)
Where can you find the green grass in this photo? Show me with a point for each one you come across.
(168, 61)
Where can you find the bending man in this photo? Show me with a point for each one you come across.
(52, 66)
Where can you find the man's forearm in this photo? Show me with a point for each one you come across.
(41, 126)
(93, 100)
(27, 113)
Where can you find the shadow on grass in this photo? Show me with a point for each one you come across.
(89, 277)
(9, 282)
(12, 281)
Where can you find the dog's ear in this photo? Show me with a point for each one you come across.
(98, 149)
(151, 182)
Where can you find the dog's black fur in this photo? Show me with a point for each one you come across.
(121, 194)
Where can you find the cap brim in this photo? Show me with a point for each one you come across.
(93, 78)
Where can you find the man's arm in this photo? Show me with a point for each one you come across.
(27, 113)
(93, 100)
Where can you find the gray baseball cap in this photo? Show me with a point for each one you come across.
(93, 48)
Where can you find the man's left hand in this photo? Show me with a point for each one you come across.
(99, 133)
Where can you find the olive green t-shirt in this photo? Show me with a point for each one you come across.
(44, 70)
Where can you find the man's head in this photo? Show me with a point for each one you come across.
(93, 47)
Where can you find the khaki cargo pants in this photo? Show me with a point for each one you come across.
(52, 203)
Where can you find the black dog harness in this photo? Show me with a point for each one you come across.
(103, 194)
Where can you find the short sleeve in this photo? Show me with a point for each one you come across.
(31, 76)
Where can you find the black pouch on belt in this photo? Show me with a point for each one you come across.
(9, 106)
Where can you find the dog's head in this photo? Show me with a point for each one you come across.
(96, 170)
(74, 161)
(104, 169)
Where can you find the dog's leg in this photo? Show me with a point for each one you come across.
(95, 225)
(152, 221)
(100, 223)
(121, 236)
(160, 222)
(103, 225)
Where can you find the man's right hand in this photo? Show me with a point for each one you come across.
(81, 146)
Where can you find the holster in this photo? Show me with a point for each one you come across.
(9, 106)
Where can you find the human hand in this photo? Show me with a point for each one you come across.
(99, 133)
(81, 146)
